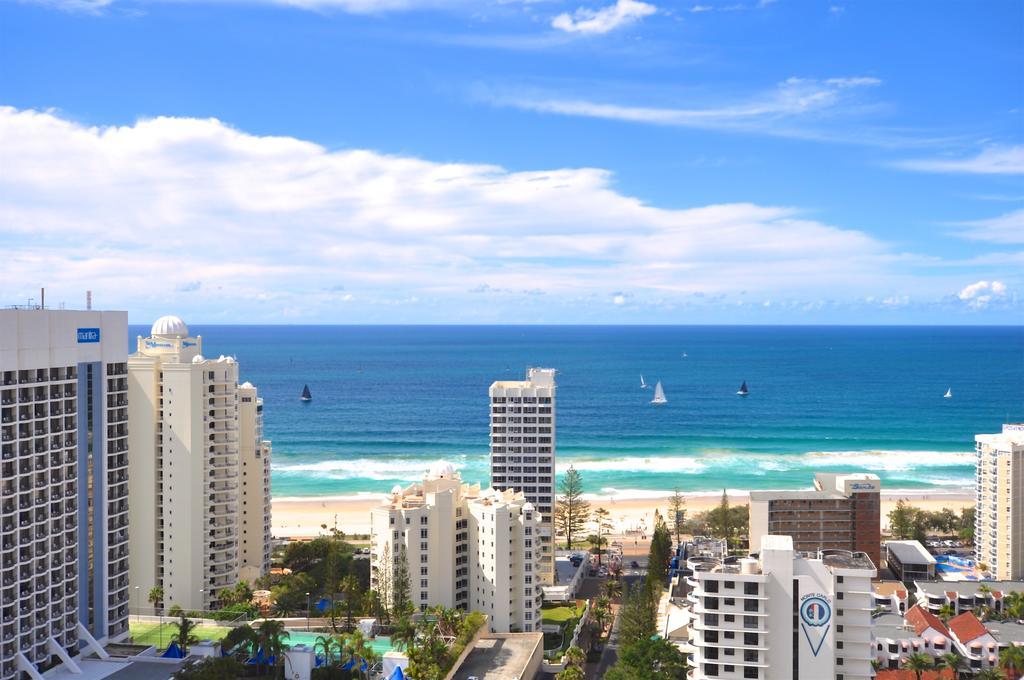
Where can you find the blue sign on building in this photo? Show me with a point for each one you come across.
(88, 335)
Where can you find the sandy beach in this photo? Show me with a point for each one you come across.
(304, 517)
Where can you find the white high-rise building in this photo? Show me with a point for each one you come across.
(200, 510)
(523, 449)
(782, 615)
(999, 512)
(466, 548)
(63, 484)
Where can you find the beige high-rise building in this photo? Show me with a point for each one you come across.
(999, 513)
(466, 548)
(523, 449)
(198, 486)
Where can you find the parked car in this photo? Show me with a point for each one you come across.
(634, 564)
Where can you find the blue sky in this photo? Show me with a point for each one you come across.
(520, 161)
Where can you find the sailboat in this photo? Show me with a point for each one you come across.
(949, 393)
(306, 396)
(743, 391)
(659, 395)
(643, 383)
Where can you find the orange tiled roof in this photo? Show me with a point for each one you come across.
(922, 619)
(967, 627)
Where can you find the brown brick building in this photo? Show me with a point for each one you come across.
(843, 511)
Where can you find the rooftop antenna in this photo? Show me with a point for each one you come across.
(42, 298)
(88, 300)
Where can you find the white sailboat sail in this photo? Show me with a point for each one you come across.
(949, 393)
(659, 395)
(643, 383)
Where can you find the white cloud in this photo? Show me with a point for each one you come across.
(604, 20)
(274, 225)
(1008, 228)
(351, 6)
(792, 108)
(980, 294)
(994, 160)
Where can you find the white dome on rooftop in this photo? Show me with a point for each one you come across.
(442, 469)
(169, 327)
(198, 359)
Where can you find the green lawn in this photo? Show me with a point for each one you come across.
(559, 614)
(147, 633)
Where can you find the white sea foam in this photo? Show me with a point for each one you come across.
(368, 468)
(651, 464)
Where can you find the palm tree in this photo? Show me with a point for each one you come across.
(952, 661)
(403, 634)
(946, 612)
(271, 641)
(240, 641)
(574, 656)
(155, 597)
(357, 647)
(185, 636)
(989, 674)
(918, 663)
(612, 588)
(325, 645)
(601, 610)
(1011, 660)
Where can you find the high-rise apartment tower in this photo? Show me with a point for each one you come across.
(999, 513)
(523, 449)
(63, 484)
(200, 509)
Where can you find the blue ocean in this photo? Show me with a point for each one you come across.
(388, 400)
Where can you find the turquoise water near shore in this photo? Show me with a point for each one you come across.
(388, 400)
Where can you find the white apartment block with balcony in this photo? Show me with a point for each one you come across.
(466, 548)
(999, 512)
(63, 485)
(189, 431)
(523, 449)
(254, 509)
(782, 615)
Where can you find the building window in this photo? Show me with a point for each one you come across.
(749, 588)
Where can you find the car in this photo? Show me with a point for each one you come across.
(634, 564)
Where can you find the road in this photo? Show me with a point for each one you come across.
(610, 653)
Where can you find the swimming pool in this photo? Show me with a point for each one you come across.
(379, 644)
(946, 563)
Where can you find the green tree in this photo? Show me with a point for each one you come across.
(240, 641)
(1011, 660)
(603, 526)
(155, 597)
(901, 520)
(358, 649)
(918, 662)
(571, 673)
(210, 668)
(637, 619)
(722, 516)
(184, 634)
(946, 612)
(989, 674)
(574, 657)
(329, 646)
(401, 587)
(271, 640)
(677, 514)
(386, 580)
(658, 555)
(952, 661)
(403, 634)
(966, 531)
(651, 658)
(572, 512)
(353, 593)
(612, 588)
(601, 612)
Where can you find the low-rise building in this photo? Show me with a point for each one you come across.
(842, 512)
(782, 614)
(466, 548)
(980, 644)
(891, 597)
(965, 596)
(920, 632)
(909, 561)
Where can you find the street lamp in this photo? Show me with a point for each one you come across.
(136, 603)
(202, 601)
(309, 606)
